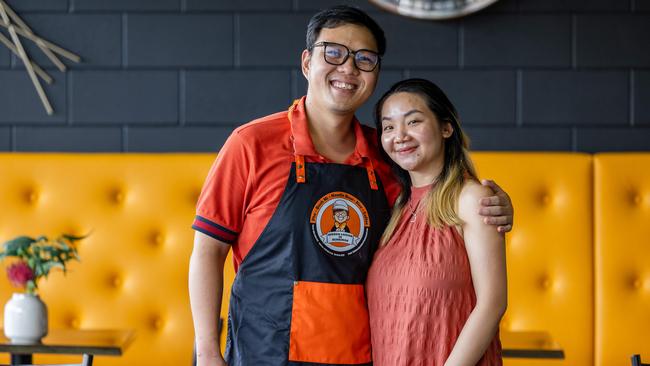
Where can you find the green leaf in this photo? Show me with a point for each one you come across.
(49, 265)
(74, 238)
(12, 246)
(62, 262)
(40, 270)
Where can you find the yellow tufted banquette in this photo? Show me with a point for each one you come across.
(622, 257)
(133, 269)
(578, 258)
(549, 253)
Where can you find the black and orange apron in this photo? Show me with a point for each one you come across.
(298, 297)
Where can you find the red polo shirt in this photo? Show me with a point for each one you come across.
(247, 179)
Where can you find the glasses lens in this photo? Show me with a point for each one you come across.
(335, 53)
(366, 60)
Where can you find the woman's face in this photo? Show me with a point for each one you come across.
(413, 136)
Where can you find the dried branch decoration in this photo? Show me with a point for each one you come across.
(16, 26)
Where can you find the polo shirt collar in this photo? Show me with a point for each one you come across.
(303, 144)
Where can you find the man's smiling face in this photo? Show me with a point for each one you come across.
(342, 88)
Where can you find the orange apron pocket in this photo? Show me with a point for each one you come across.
(329, 324)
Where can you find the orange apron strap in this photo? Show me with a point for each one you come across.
(300, 169)
(300, 160)
(371, 175)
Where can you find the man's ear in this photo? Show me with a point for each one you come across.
(447, 129)
(305, 58)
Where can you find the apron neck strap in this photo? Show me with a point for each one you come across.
(370, 169)
(300, 159)
(300, 169)
(301, 177)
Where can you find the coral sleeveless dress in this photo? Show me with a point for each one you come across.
(420, 294)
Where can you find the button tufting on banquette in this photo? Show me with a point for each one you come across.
(578, 257)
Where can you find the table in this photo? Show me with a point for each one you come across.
(529, 344)
(72, 342)
(515, 344)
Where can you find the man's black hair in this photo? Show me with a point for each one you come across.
(341, 15)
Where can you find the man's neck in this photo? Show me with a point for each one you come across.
(332, 134)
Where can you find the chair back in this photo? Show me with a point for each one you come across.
(636, 361)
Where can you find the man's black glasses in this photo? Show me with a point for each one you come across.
(337, 54)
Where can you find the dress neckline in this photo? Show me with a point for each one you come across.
(418, 192)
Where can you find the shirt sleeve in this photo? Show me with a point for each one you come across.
(221, 205)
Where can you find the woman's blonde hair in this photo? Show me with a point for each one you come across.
(440, 204)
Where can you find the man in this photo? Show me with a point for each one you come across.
(298, 299)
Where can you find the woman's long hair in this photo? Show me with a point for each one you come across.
(441, 202)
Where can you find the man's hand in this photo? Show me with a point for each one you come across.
(497, 209)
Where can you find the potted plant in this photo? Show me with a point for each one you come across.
(25, 316)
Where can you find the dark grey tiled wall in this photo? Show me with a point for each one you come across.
(5, 139)
(123, 97)
(179, 75)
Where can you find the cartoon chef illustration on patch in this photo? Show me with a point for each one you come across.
(340, 211)
(340, 223)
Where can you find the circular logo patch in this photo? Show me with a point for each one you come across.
(339, 223)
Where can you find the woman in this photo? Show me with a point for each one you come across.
(437, 286)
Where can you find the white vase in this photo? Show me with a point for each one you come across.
(25, 320)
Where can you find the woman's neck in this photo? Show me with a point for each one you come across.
(425, 177)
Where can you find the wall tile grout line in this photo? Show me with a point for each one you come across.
(124, 40)
(69, 100)
(461, 45)
(236, 40)
(519, 98)
(294, 84)
(632, 97)
(574, 139)
(574, 42)
(12, 139)
(181, 97)
(125, 138)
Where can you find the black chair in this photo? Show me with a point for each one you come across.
(636, 361)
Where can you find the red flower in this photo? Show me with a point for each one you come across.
(19, 274)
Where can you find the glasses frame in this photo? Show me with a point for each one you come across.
(324, 44)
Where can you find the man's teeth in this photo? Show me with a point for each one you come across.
(342, 85)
